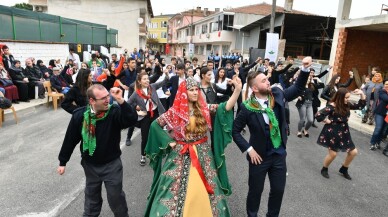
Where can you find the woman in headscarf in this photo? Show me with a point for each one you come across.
(192, 181)
(47, 73)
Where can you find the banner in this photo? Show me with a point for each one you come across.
(272, 46)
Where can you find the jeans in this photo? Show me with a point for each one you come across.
(305, 113)
(379, 128)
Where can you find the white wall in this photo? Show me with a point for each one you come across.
(40, 51)
(117, 14)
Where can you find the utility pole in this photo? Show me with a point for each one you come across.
(271, 30)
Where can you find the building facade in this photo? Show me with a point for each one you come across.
(157, 29)
(359, 44)
(129, 17)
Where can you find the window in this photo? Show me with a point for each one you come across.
(163, 35)
(200, 51)
(196, 49)
(228, 22)
(204, 28)
(214, 27)
(163, 24)
(225, 49)
(154, 25)
(197, 30)
(187, 32)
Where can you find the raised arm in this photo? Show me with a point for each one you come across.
(236, 93)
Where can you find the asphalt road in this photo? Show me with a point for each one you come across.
(29, 184)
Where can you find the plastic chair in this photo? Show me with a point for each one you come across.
(54, 95)
(2, 115)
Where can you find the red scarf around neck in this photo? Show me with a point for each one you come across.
(147, 97)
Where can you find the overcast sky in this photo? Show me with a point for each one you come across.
(360, 8)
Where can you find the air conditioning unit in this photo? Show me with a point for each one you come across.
(38, 8)
(207, 35)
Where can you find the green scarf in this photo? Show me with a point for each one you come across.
(89, 129)
(253, 105)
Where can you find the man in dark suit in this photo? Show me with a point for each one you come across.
(174, 82)
(264, 113)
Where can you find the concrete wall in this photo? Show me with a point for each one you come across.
(360, 49)
(40, 51)
(117, 14)
(245, 19)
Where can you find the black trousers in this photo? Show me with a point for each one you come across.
(145, 124)
(23, 90)
(111, 174)
(276, 168)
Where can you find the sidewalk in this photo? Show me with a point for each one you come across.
(24, 108)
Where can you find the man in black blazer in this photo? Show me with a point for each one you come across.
(174, 82)
(264, 113)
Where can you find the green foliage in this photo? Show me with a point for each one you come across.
(24, 6)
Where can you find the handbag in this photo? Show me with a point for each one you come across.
(6, 82)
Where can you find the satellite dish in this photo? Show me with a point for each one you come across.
(140, 20)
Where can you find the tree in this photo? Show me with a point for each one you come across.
(24, 6)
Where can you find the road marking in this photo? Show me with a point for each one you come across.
(70, 197)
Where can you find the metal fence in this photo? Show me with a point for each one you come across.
(18, 24)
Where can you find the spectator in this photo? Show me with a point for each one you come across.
(25, 87)
(58, 64)
(333, 86)
(67, 74)
(46, 71)
(74, 57)
(114, 60)
(58, 82)
(76, 97)
(35, 77)
(8, 59)
(371, 90)
(11, 91)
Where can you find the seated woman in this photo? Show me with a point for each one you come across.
(21, 81)
(58, 82)
(11, 91)
(191, 181)
(47, 73)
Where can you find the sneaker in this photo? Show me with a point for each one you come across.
(299, 135)
(372, 147)
(142, 160)
(377, 146)
(315, 126)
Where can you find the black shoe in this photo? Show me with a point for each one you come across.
(306, 134)
(372, 147)
(15, 102)
(325, 172)
(299, 135)
(315, 126)
(385, 152)
(128, 142)
(344, 171)
(378, 146)
(26, 100)
(42, 97)
(142, 160)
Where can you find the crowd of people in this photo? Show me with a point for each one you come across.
(176, 104)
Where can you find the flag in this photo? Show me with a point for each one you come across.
(272, 46)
